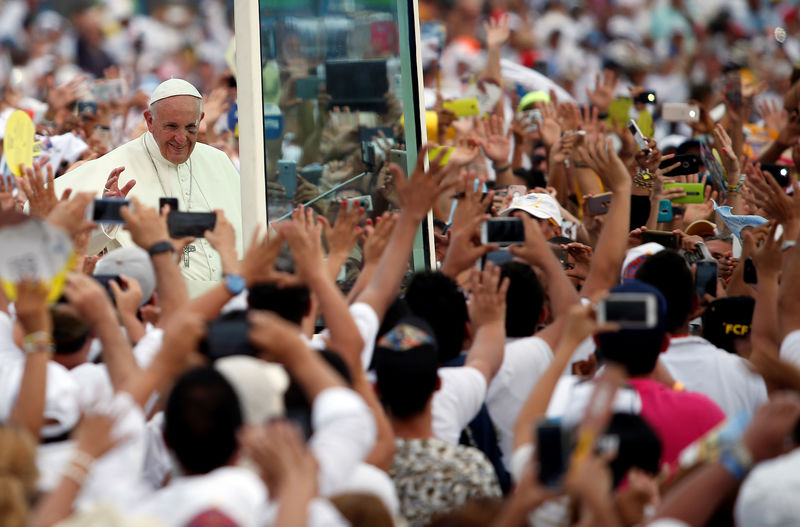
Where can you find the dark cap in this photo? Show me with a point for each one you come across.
(727, 319)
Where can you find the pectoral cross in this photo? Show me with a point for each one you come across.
(186, 250)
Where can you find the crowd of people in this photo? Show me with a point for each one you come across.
(608, 332)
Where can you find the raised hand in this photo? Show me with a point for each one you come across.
(304, 236)
(376, 238)
(771, 198)
(40, 189)
(497, 31)
(487, 297)
(88, 297)
(70, 215)
(146, 225)
(496, 144)
(258, 264)
(729, 160)
(549, 127)
(31, 307)
(112, 190)
(603, 92)
(774, 115)
(223, 240)
(344, 234)
(127, 297)
(418, 193)
(599, 155)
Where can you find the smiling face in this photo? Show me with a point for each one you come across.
(174, 123)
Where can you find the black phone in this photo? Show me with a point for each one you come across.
(705, 278)
(183, 224)
(106, 279)
(503, 231)
(551, 453)
(689, 164)
(106, 210)
(646, 97)
(226, 336)
(172, 202)
(750, 274)
(669, 240)
(498, 257)
(781, 174)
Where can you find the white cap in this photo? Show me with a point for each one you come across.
(259, 385)
(538, 205)
(634, 258)
(173, 88)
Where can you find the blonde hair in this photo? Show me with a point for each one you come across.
(18, 475)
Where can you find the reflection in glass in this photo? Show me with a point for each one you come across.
(333, 105)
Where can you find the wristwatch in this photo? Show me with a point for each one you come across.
(234, 283)
(163, 246)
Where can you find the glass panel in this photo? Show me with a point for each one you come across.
(336, 85)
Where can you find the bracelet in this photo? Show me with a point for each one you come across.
(788, 244)
(38, 341)
(82, 460)
(735, 188)
(737, 460)
(643, 179)
(163, 246)
(75, 473)
(502, 169)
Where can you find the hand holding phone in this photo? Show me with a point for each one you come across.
(705, 278)
(638, 136)
(598, 204)
(106, 210)
(629, 310)
(503, 232)
(194, 224)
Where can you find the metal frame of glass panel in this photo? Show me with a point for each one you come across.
(249, 46)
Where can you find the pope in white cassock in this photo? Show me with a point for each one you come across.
(167, 161)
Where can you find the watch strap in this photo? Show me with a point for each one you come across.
(163, 246)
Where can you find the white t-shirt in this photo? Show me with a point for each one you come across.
(722, 376)
(768, 497)
(457, 401)
(524, 362)
(368, 324)
(790, 348)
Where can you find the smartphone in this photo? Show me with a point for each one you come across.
(664, 211)
(287, 177)
(172, 202)
(372, 133)
(530, 119)
(398, 157)
(87, 107)
(695, 192)
(599, 204)
(689, 164)
(503, 231)
(646, 97)
(226, 336)
(106, 210)
(705, 278)
(629, 310)
(308, 88)
(680, 112)
(433, 153)
(750, 275)
(108, 90)
(498, 257)
(670, 240)
(312, 173)
(364, 202)
(106, 279)
(463, 107)
(183, 224)
(359, 84)
(781, 174)
(733, 88)
(638, 136)
(552, 453)
(562, 255)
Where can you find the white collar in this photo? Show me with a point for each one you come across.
(151, 148)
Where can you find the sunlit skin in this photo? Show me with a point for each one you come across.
(174, 123)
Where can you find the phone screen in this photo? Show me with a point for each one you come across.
(705, 278)
(624, 311)
(667, 239)
(106, 210)
(105, 280)
(182, 224)
(550, 451)
(505, 231)
(779, 173)
(172, 202)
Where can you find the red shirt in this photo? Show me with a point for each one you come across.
(678, 417)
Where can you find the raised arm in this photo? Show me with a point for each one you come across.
(613, 241)
(417, 195)
(487, 314)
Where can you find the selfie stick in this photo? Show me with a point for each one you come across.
(326, 193)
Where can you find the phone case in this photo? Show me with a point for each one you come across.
(462, 107)
(694, 192)
(599, 204)
(664, 211)
(287, 177)
(680, 111)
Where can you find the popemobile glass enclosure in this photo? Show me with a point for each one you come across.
(329, 94)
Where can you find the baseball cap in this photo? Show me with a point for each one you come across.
(727, 319)
(634, 258)
(701, 228)
(538, 205)
(133, 262)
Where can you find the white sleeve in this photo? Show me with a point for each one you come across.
(457, 401)
(344, 434)
(7, 346)
(147, 347)
(790, 348)
(368, 324)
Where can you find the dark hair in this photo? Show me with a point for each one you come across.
(291, 303)
(201, 420)
(523, 301)
(436, 298)
(639, 446)
(667, 271)
(70, 332)
(406, 379)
